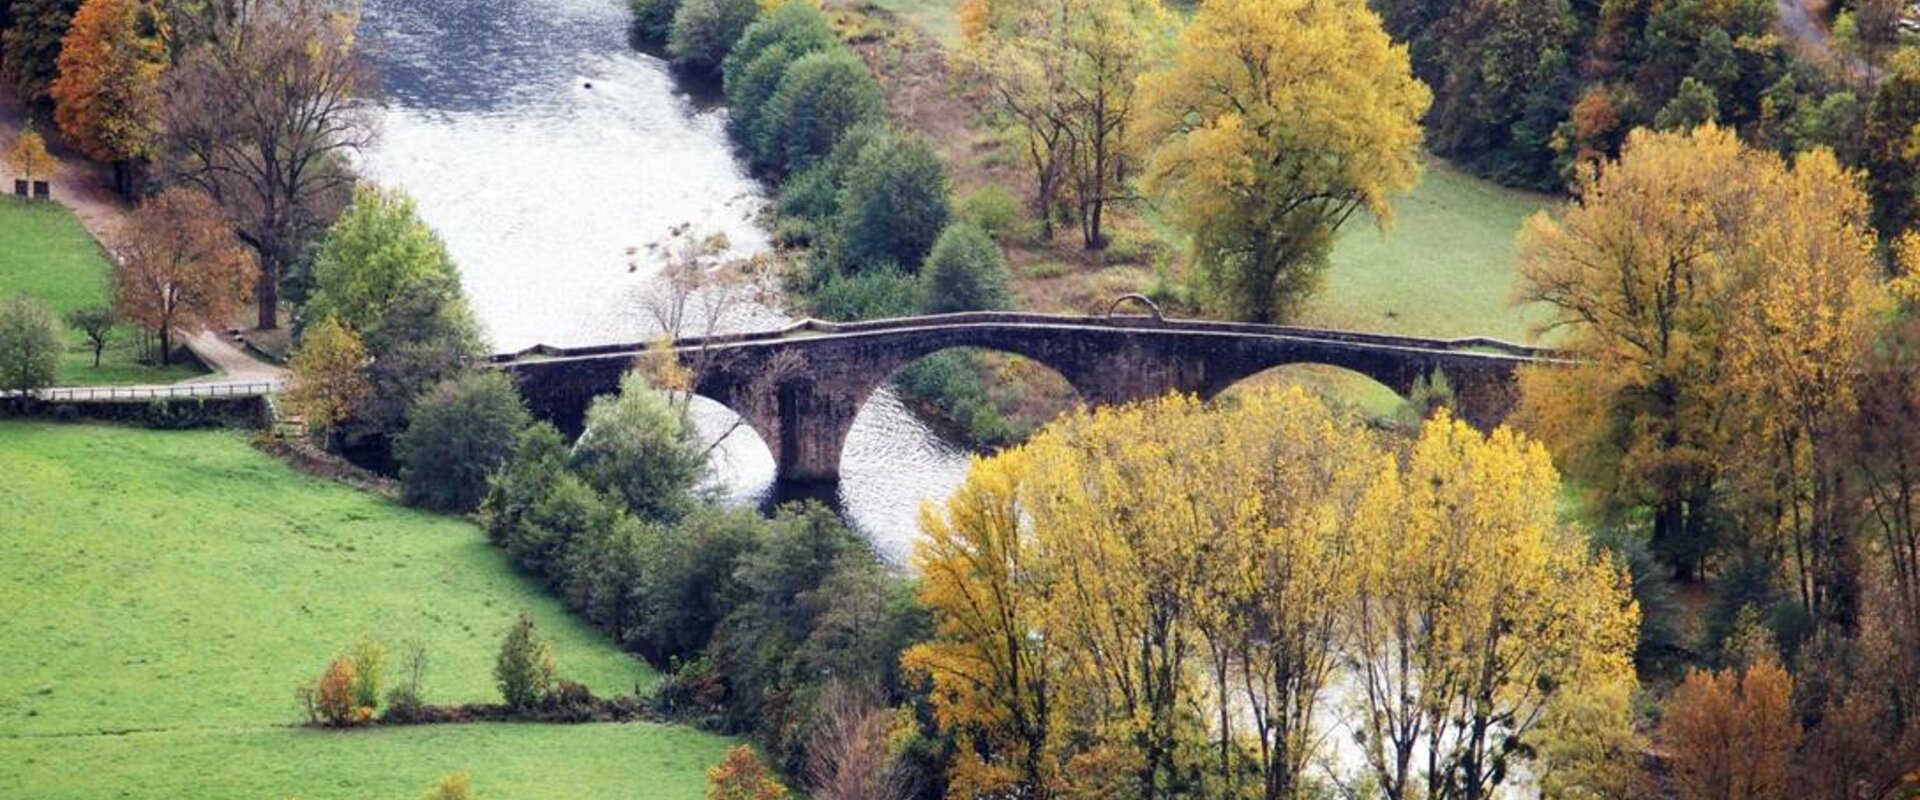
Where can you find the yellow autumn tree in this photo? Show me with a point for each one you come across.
(1476, 613)
(1725, 302)
(1278, 120)
(27, 156)
(1210, 545)
(990, 662)
(329, 379)
(1797, 340)
(106, 97)
(1640, 275)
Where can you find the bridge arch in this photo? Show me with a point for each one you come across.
(1339, 385)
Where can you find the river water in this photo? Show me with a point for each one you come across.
(549, 153)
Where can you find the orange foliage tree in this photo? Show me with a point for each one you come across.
(743, 776)
(1732, 736)
(331, 700)
(181, 270)
(106, 98)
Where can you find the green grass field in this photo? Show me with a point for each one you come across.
(937, 17)
(1444, 269)
(48, 256)
(166, 592)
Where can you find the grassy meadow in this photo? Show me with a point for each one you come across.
(1444, 268)
(168, 591)
(48, 256)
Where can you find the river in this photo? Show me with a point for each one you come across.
(549, 152)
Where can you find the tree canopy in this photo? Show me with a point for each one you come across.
(1281, 119)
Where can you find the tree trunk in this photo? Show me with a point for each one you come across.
(267, 293)
(166, 347)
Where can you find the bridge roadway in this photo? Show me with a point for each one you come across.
(800, 387)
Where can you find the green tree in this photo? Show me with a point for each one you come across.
(1282, 118)
(759, 60)
(29, 346)
(894, 205)
(1892, 140)
(525, 668)
(30, 48)
(371, 255)
(653, 19)
(822, 96)
(1691, 107)
(800, 26)
(639, 448)
(462, 432)
(881, 292)
(965, 272)
(538, 460)
(96, 323)
(704, 31)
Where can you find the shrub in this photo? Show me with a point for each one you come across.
(525, 668)
(894, 205)
(539, 459)
(813, 194)
(801, 27)
(458, 786)
(965, 272)
(462, 432)
(750, 87)
(822, 96)
(369, 660)
(640, 448)
(743, 776)
(991, 208)
(878, 293)
(29, 346)
(653, 19)
(688, 584)
(950, 382)
(331, 699)
(705, 30)
(570, 701)
(571, 510)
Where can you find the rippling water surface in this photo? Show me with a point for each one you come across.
(549, 153)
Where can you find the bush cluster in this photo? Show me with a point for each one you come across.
(751, 616)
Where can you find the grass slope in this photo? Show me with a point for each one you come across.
(938, 17)
(48, 256)
(1444, 268)
(166, 592)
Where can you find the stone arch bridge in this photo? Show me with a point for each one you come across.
(801, 387)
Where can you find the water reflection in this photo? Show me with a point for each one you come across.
(549, 153)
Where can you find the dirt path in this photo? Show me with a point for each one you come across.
(86, 189)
